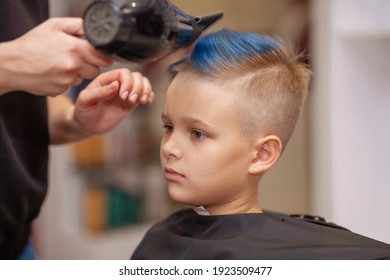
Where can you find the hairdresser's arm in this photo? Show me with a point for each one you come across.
(49, 58)
(104, 103)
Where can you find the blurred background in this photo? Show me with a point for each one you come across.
(106, 191)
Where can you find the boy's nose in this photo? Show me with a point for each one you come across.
(169, 147)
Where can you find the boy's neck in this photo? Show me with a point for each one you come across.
(247, 202)
(234, 209)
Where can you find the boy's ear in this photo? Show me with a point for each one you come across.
(267, 151)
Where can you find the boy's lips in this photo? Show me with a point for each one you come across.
(172, 175)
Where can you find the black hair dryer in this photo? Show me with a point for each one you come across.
(142, 31)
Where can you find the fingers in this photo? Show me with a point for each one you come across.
(138, 90)
(88, 71)
(148, 91)
(85, 61)
(133, 86)
(91, 58)
(94, 57)
(77, 80)
(72, 26)
(93, 95)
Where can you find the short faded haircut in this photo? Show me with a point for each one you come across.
(270, 79)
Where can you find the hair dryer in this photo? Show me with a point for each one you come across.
(142, 31)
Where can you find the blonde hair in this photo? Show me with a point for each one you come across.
(270, 79)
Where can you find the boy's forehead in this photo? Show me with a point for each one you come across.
(188, 75)
(186, 79)
(191, 94)
(196, 87)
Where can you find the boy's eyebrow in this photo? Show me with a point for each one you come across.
(196, 121)
(163, 116)
(192, 120)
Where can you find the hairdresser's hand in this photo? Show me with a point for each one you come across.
(49, 59)
(109, 98)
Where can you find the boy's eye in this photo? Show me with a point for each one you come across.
(168, 128)
(198, 134)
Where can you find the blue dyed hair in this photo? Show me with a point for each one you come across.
(225, 49)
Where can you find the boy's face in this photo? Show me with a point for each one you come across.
(203, 154)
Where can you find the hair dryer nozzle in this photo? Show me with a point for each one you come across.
(206, 20)
(200, 23)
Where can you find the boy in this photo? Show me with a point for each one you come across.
(228, 114)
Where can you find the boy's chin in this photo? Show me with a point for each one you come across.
(176, 194)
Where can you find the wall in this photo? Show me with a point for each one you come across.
(350, 112)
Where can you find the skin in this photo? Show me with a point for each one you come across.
(49, 59)
(102, 105)
(52, 57)
(205, 158)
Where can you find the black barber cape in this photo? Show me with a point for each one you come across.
(187, 235)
